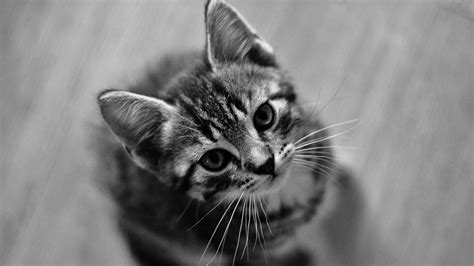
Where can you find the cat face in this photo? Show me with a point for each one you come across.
(235, 131)
(224, 127)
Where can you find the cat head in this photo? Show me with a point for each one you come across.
(224, 127)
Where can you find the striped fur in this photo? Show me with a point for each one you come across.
(188, 106)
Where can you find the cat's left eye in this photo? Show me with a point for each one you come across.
(264, 117)
(215, 160)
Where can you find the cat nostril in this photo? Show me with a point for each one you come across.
(268, 168)
(283, 147)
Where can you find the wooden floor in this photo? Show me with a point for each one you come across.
(405, 69)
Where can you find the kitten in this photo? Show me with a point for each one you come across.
(219, 163)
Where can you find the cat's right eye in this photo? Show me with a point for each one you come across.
(264, 117)
(215, 160)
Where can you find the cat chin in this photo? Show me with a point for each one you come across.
(263, 186)
(271, 184)
(267, 185)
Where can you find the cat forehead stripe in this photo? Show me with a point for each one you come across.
(220, 89)
(237, 112)
(227, 107)
(216, 133)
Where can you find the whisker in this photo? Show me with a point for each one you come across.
(327, 104)
(258, 218)
(263, 236)
(205, 215)
(326, 147)
(264, 213)
(184, 211)
(319, 167)
(240, 231)
(247, 216)
(226, 229)
(303, 166)
(316, 152)
(323, 139)
(215, 230)
(318, 170)
(334, 96)
(328, 174)
(302, 162)
(313, 164)
(303, 105)
(196, 213)
(308, 117)
(313, 156)
(331, 161)
(325, 128)
(257, 236)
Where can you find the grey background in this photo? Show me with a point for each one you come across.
(407, 68)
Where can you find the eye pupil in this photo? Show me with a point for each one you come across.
(263, 118)
(215, 160)
(214, 157)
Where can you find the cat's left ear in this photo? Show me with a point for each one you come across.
(229, 38)
(138, 121)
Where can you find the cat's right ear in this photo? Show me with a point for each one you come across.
(229, 38)
(135, 119)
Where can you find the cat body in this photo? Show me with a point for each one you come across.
(206, 171)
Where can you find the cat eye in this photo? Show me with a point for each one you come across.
(264, 117)
(215, 160)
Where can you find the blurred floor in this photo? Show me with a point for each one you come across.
(407, 68)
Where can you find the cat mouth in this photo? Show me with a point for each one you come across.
(267, 183)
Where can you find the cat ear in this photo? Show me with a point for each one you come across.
(137, 120)
(229, 38)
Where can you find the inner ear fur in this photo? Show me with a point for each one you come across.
(229, 38)
(136, 120)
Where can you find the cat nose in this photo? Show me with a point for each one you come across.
(267, 168)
